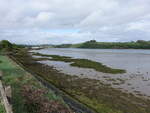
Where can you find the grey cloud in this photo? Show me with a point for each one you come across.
(27, 21)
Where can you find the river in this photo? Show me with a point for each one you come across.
(136, 62)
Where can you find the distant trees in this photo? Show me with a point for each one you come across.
(91, 41)
(141, 41)
(140, 44)
(63, 46)
(4, 44)
(7, 46)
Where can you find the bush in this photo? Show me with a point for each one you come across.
(6, 44)
(37, 103)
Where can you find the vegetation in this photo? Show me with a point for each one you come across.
(84, 63)
(63, 46)
(140, 44)
(28, 95)
(93, 93)
(7, 46)
(2, 108)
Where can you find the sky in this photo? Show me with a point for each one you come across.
(74, 21)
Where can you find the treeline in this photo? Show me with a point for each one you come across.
(7, 46)
(63, 46)
(140, 44)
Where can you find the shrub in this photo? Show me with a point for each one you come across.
(37, 103)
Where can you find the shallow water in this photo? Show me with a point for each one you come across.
(135, 62)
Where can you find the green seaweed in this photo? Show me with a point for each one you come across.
(83, 63)
(93, 93)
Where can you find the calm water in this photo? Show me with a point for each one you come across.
(135, 62)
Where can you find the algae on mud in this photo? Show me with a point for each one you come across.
(84, 63)
(93, 93)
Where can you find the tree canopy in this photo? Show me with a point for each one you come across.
(4, 44)
(139, 44)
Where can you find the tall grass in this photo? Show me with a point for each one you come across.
(16, 77)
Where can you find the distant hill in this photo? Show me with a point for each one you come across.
(93, 44)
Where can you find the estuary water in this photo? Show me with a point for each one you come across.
(136, 63)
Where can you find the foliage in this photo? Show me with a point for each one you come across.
(63, 46)
(2, 108)
(23, 84)
(139, 44)
(4, 44)
(7, 46)
(35, 98)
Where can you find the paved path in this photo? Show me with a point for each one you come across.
(4, 98)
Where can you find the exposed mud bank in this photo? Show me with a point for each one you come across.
(93, 93)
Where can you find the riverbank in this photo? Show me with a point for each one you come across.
(28, 94)
(93, 93)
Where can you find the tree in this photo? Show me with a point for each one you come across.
(141, 41)
(4, 44)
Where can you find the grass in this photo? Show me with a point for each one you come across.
(93, 93)
(2, 108)
(16, 77)
(83, 63)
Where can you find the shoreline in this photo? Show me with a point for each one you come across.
(107, 80)
(118, 81)
(92, 93)
(71, 102)
(28, 94)
(83, 63)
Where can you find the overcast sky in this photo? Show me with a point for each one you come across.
(73, 21)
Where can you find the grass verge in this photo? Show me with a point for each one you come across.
(28, 95)
(2, 108)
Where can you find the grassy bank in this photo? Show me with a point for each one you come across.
(84, 63)
(28, 95)
(93, 93)
(2, 109)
